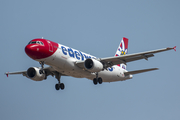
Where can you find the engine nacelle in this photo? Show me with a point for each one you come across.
(93, 65)
(34, 74)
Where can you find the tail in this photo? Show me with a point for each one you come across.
(122, 50)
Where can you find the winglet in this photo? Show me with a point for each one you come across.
(7, 74)
(174, 48)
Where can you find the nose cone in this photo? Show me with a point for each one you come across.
(33, 51)
(40, 48)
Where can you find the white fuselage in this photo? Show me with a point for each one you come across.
(64, 59)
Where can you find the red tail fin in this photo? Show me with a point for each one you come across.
(122, 49)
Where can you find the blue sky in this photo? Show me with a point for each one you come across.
(94, 27)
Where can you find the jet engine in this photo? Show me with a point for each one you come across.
(93, 65)
(34, 74)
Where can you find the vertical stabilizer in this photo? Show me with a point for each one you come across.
(122, 50)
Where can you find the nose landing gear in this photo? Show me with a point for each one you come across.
(42, 67)
(41, 71)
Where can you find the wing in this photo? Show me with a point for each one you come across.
(19, 72)
(110, 61)
(48, 71)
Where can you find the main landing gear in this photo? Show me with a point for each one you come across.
(97, 80)
(59, 85)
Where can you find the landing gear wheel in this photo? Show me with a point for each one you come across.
(95, 81)
(100, 80)
(62, 86)
(57, 86)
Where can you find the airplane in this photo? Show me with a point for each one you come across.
(66, 61)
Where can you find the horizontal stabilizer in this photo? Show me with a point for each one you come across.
(140, 71)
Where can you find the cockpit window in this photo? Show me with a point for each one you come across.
(36, 42)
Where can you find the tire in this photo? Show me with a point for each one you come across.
(62, 86)
(95, 81)
(100, 80)
(57, 86)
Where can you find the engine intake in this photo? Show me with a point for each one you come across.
(93, 65)
(34, 74)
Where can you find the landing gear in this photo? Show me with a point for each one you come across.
(41, 71)
(59, 85)
(97, 80)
